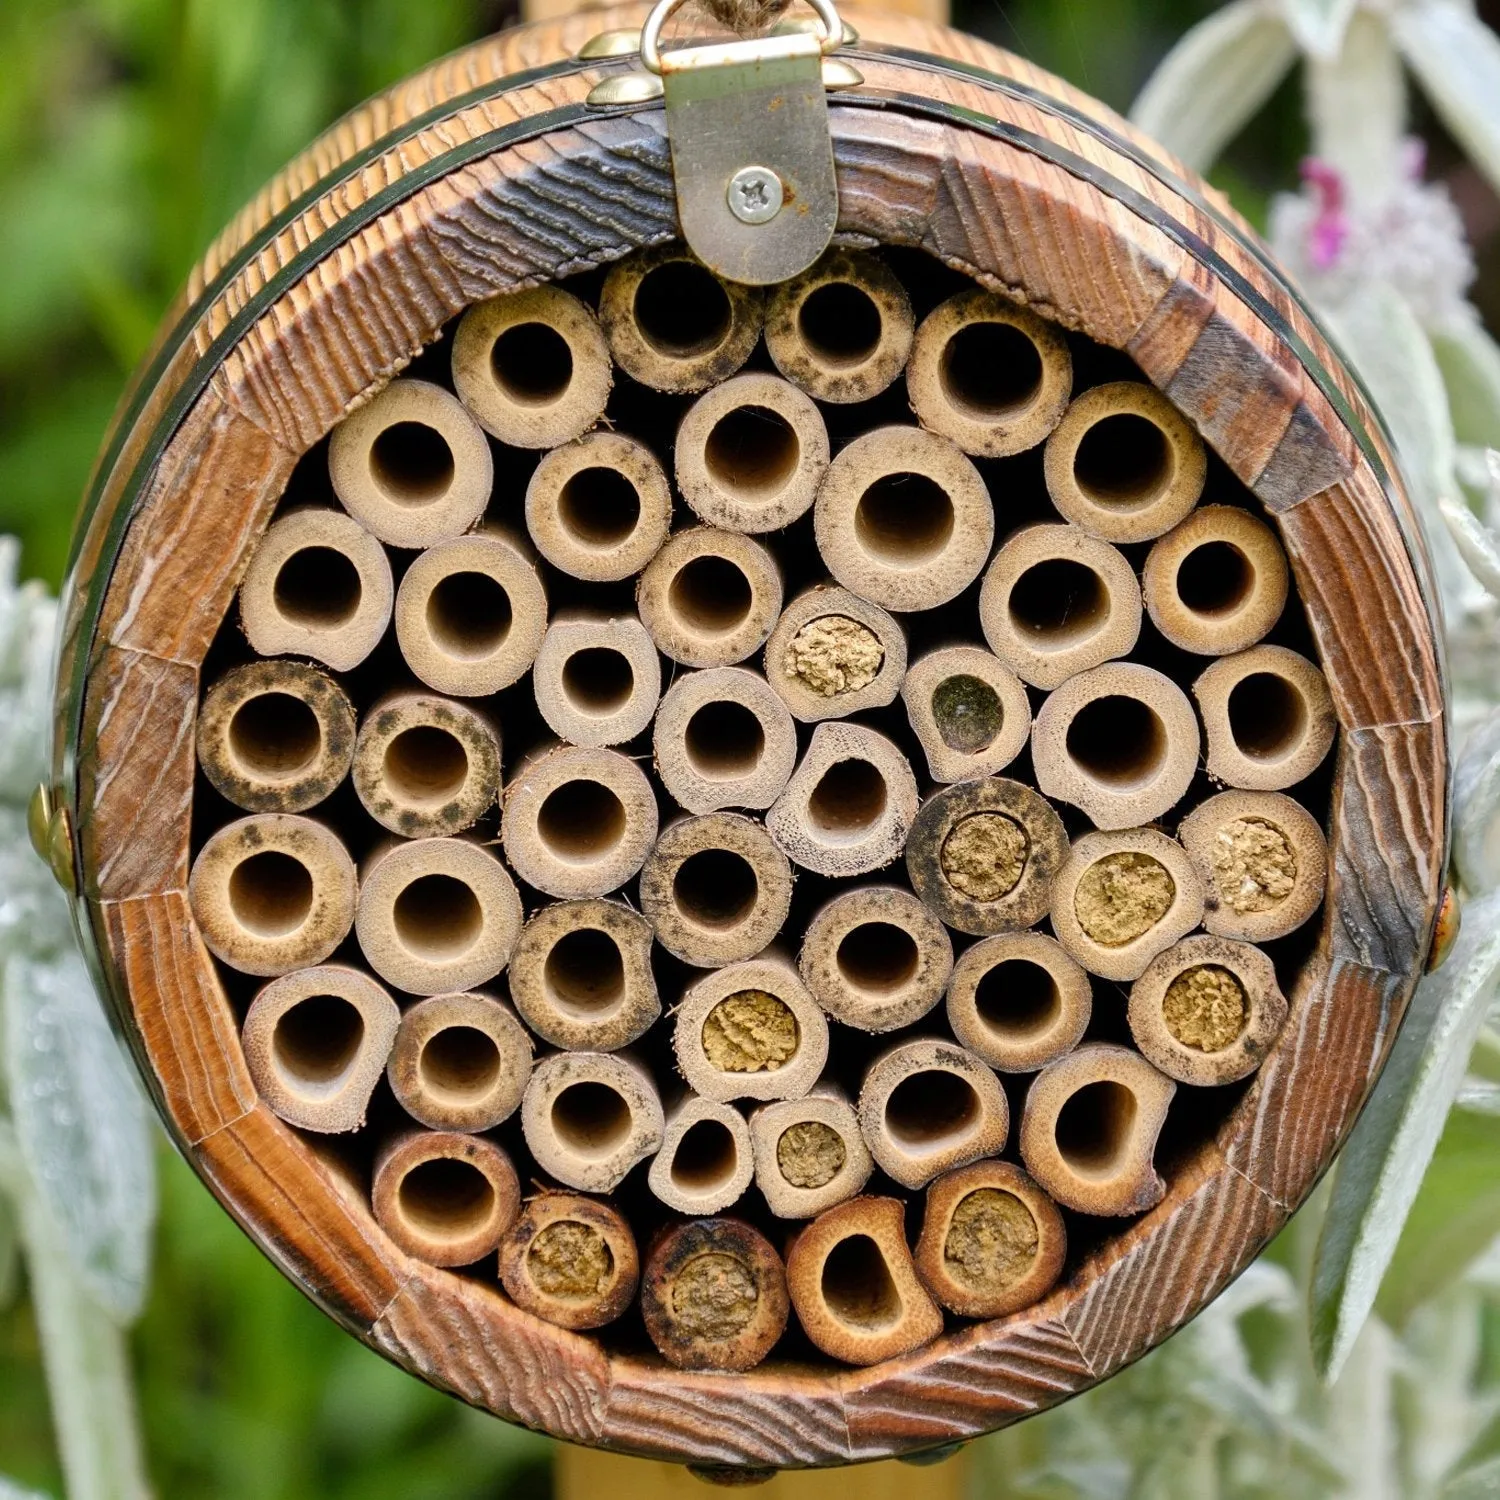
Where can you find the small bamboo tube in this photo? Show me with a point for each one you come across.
(1267, 716)
(989, 374)
(1124, 464)
(1122, 897)
(318, 585)
(842, 330)
(1089, 1130)
(599, 509)
(1017, 1000)
(1057, 601)
(709, 597)
(1207, 1010)
(571, 1261)
(273, 892)
(904, 519)
(849, 804)
(724, 739)
(927, 1106)
(1217, 582)
(425, 766)
(716, 889)
(275, 736)
(581, 975)
(589, 1117)
(444, 1197)
(968, 710)
(833, 654)
(533, 367)
(675, 326)
(461, 1062)
(411, 465)
(983, 855)
(713, 1295)
(750, 1031)
(471, 614)
(809, 1154)
(875, 958)
(437, 916)
(1120, 742)
(578, 822)
(1262, 859)
(597, 680)
(706, 1160)
(854, 1286)
(992, 1241)
(316, 1043)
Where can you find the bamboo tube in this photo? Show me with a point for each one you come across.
(597, 680)
(842, 330)
(706, 1160)
(470, 615)
(833, 654)
(1124, 464)
(1217, 582)
(316, 1043)
(854, 1286)
(533, 367)
(1120, 742)
(750, 1031)
(716, 889)
(714, 1295)
(1089, 1130)
(1267, 716)
(275, 736)
(989, 374)
(461, 1062)
(992, 1241)
(272, 892)
(675, 326)
(968, 710)
(411, 465)
(849, 803)
(927, 1106)
(589, 1117)
(809, 1154)
(437, 916)
(425, 766)
(1057, 601)
(1207, 1010)
(318, 585)
(904, 519)
(578, 822)
(709, 597)
(599, 509)
(1262, 859)
(445, 1198)
(983, 855)
(875, 958)
(1122, 897)
(1018, 1000)
(724, 739)
(571, 1261)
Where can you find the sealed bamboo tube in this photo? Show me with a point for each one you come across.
(461, 1062)
(706, 1160)
(968, 710)
(570, 1260)
(989, 374)
(833, 654)
(316, 1043)
(597, 679)
(589, 1117)
(437, 916)
(412, 466)
(1124, 464)
(273, 892)
(809, 1154)
(1017, 1000)
(533, 367)
(1089, 1130)
(716, 889)
(904, 519)
(275, 736)
(714, 1296)
(444, 1197)
(318, 585)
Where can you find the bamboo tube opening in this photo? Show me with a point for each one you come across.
(724, 741)
(1119, 741)
(1094, 1129)
(931, 1111)
(967, 713)
(715, 888)
(597, 680)
(848, 799)
(270, 894)
(1215, 579)
(1268, 718)
(752, 449)
(709, 597)
(1122, 461)
(878, 957)
(1059, 600)
(904, 519)
(425, 766)
(585, 973)
(532, 364)
(438, 918)
(317, 1041)
(1017, 1000)
(706, 1158)
(570, 1260)
(682, 309)
(412, 463)
(857, 1285)
(589, 1117)
(706, 1161)
(459, 1063)
(317, 588)
(445, 1198)
(991, 368)
(840, 324)
(599, 508)
(581, 822)
(275, 737)
(469, 615)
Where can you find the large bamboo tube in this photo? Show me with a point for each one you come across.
(570, 1260)
(597, 679)
(833, 654)
(706, 1160)
(968, 710)
(809, 1154)
(589, 1117)
(445, 1198)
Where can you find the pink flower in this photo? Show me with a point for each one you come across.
(1329, 231)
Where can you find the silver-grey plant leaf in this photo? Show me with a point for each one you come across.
(1476, 806)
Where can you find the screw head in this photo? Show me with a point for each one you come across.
(755, 195)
